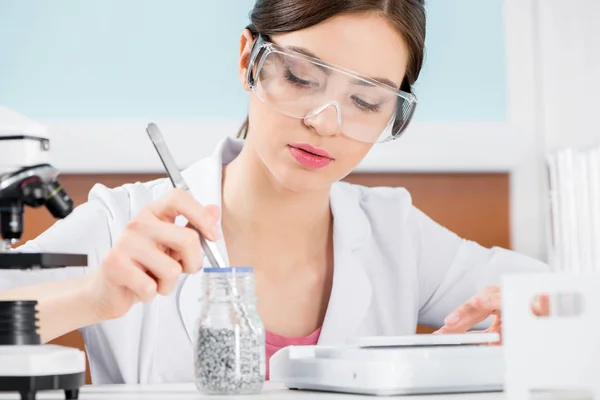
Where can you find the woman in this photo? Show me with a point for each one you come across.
(327, 80)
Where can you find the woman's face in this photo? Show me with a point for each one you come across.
(364, 43)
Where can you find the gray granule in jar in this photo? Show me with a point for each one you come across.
(227, 365)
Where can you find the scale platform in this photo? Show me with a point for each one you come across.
(391, 366)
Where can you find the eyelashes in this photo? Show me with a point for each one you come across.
(305, 84)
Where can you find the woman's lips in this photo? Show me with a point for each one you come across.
(309, 156)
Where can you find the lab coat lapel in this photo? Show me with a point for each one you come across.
(351, 291)
(204, 181)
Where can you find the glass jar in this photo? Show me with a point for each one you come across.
(230, 336)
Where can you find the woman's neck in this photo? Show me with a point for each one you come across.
(286, 237)
(255, 203)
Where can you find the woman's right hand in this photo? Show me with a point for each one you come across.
(152, 253)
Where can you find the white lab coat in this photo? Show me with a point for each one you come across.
(394, 267)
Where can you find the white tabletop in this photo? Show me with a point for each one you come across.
(271, 391)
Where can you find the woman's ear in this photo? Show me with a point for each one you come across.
(246, 43)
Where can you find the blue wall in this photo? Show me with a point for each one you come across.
(177, 59)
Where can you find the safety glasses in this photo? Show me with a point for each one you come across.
(304, 87)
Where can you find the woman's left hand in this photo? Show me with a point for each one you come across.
(486, 303)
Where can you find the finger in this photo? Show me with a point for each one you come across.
(184, 242)
(472, 312)
(180, 202)
(214, 210)
(162, 267)
(496, 325)
(541, 305)
(187, 266)
(129, 274)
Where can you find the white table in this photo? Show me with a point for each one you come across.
(271, 391)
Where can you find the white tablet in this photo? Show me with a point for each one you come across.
(446, 339)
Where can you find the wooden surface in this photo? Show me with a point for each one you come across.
(475, 206)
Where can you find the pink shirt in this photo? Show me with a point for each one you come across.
(276, 342)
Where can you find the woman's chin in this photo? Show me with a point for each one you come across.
(298, 179)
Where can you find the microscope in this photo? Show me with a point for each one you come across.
(28, 180)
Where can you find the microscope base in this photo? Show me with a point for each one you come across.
(31, 369)
(28, 386)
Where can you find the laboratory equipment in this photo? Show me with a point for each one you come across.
(555, 355)
(425, 340)
(27, 179)
(229, 353)
(394, 366)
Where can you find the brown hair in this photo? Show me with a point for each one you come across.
(271, 17)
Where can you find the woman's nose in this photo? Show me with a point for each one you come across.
(326, 120)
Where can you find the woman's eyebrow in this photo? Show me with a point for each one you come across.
(383, 81)
(304, 51)
(308, 53)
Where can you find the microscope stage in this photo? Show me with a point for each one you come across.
(16, 260)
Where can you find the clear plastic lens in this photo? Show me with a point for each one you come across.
(301, 88)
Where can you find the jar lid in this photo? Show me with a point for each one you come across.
(228, 270)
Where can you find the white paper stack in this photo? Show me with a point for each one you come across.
(575, 210)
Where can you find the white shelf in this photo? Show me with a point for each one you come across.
(122, 146)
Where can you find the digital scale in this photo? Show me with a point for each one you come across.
(391, 366)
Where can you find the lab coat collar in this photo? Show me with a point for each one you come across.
(204, 178)
(351, 291)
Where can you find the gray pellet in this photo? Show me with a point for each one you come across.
(223, 367)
